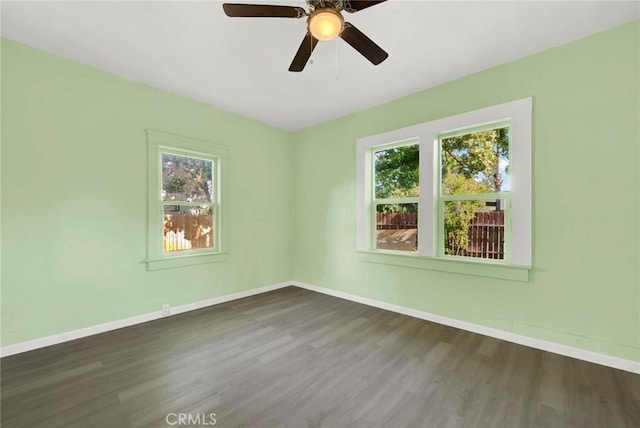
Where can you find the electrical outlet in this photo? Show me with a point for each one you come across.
(165, 309)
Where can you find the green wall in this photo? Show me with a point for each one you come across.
(74, 197)
(584, 287)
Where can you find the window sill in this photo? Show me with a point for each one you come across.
(464, 267)
(186, 260)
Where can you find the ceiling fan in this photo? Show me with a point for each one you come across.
(324, 22)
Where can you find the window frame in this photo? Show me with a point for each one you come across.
(159, 142)
(388, 201)
(518, 254)
(214, 203)
(442, 198)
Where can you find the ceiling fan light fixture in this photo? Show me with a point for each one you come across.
(325, 24)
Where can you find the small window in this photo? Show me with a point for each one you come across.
(474, 192)
(188, 200)
(186, 208)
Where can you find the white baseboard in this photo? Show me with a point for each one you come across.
(138, 319)
(569, 351)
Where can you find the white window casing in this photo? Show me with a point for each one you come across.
(519, 115)
(161, 142)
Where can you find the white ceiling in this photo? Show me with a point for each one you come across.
(240, 64)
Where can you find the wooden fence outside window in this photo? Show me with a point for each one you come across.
(486, 231)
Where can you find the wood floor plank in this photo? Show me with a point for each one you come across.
(295, 358)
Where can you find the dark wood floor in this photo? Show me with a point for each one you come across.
(295, 358)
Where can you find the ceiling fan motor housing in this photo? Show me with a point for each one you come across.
(325, 24)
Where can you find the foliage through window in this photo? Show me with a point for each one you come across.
(187, 187)
(186, 224)
(396, 197)
(456, 188)
(474, 192)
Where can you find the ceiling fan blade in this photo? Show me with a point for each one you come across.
(304, 52)
(236, 10)
(352, 6)
(363, 44)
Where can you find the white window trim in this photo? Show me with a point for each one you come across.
(159, 142)
(518, 113)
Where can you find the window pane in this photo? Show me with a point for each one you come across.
(396, 172)
(474, 228)
(397, 227)
(187, 228)
(186, 179)
(477, 162)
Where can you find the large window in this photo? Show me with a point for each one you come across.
(185, 201)
(457, 188)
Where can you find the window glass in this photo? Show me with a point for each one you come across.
(397, 227)
(188, 227)
(186, 179)
(476, 162)
(396, 172)
(474, 228)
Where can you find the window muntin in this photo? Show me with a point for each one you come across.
(396, 196)
(474, 193)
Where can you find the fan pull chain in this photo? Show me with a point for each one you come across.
(337, 62)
